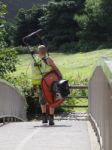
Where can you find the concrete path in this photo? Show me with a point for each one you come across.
(65, 135)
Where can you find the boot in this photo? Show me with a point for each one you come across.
(51, 120)
(44, 118)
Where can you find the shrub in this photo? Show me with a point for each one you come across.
(84, 46)
(22, 50)
(8, 60)
(3, 10)
(69, 47)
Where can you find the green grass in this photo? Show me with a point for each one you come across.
(77, 68)
(73, 66)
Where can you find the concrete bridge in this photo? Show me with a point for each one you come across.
(74, 131)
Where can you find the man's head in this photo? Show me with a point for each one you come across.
(42, 50)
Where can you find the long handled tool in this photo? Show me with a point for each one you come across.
(40, 35)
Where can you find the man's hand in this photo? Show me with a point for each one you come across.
(35, 88)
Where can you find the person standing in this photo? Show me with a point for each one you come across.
(44, 65)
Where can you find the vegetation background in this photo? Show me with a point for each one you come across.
(15, 5)
(78, 33)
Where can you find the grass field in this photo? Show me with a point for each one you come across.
(77, 68)
(74, 67)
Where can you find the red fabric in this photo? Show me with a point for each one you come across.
(46, 84)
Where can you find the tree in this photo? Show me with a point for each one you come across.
(10, 32)
(27, 21)
(59, 22)
(3, 10)
(57, 18)
(95, 22)
(89, 21)
(106, 20)
(8, 57)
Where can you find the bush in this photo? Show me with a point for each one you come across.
(84, 46)
(87, 46)
(8, 60)
(22, 50)
(3, 10)
(69, 47)
(105, 45)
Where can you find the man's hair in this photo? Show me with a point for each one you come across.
(42, 47)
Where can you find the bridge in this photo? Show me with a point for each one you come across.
(73, 131)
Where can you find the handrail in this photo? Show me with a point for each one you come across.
(12, 102)
(106, 65)
(100, 103)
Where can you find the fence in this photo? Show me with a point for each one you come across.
(12, 103)
(100, 103)
(79, 88)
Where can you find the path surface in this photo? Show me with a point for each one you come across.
(65, 135)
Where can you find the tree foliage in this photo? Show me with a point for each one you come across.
(106, 20)
(57, 18)
(69, 24)
(59, 23)
(8, 57)
(3, 10)
(27, 21)
(96, 21)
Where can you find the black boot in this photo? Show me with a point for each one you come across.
(51, 120)
(44, 118)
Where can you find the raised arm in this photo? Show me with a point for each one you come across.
(53, 65)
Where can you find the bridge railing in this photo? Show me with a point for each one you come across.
(100, 103)
(12, 103)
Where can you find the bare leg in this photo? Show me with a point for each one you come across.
(52, 110)
(43, 108)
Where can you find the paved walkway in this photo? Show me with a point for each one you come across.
(65, 135)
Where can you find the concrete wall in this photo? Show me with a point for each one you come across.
(12, 103)
(100, 103)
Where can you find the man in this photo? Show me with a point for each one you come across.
(44, 65)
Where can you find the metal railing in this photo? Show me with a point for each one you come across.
(100, 103)
(77, 87)
(12, 103)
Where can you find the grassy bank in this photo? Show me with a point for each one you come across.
(73, 66)
(77, 68)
